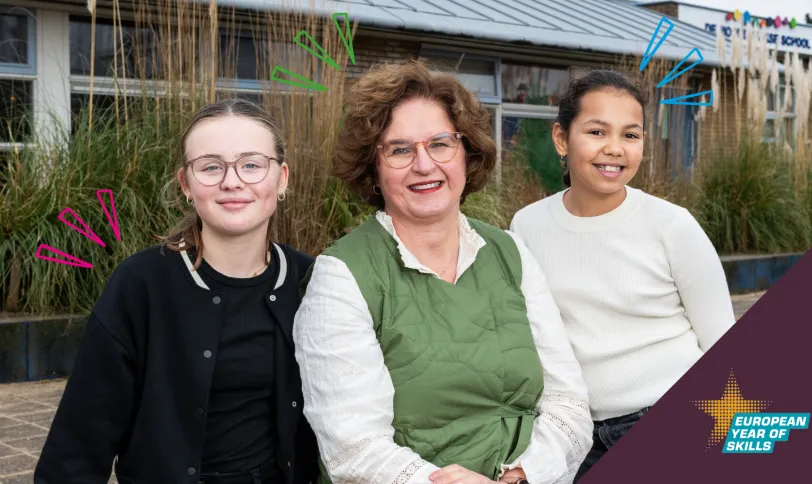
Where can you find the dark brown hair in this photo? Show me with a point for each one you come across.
(569, 105)
(189, 227)
(368, 113)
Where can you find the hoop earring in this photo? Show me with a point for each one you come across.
(189, 201)
(376, 192)
(281, 196)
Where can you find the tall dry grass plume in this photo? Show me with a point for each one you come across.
(749, 85)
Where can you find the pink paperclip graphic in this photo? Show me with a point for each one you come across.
(113, 221)
(73, 262)
(87, 232)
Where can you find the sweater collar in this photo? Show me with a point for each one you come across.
(574, 223)
(470, 243)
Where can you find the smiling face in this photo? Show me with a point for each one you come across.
(425, 190)
(233, 207)
(604, 145)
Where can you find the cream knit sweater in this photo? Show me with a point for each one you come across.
(641, 290)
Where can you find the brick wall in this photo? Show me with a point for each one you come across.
(670, 9)
(717, 132)
(374, 50)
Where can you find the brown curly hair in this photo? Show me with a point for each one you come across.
(368, 113)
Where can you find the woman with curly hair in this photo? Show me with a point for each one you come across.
(429, 345)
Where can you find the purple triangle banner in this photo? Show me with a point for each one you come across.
(741, 413)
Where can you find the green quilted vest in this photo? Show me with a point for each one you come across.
(461, 356)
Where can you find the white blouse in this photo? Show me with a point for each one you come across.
(348, 392)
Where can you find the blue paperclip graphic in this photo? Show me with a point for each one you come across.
(679, 100)
(671, 76)
(647, 57)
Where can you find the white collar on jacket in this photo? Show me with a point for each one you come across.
(470, 243)
(283, 267)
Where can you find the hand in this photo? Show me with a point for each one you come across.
(455, 474)
(513, 475)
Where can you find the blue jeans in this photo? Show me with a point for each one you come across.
(605, 435)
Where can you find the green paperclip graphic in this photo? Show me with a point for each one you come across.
(323, 56)
(345, 37)
(305, 82)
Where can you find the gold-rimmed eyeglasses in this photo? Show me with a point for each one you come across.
(401, 153)
(250, 169)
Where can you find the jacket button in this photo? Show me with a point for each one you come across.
(191, 471)
(288, 463)
(294, 404)
(198, 413)
(207, 354)
(273, 298)
(216, 299)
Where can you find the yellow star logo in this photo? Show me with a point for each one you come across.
(725, 408)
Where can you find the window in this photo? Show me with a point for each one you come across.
(529, 93)
(477, 73)
(247, 59)
(104, 106)
(15, 110)
(140, 48)
(17, 74)
(529, 141)
(780, 129)
(524, 84)
(8, 159)
(239, 56)
(783, 132)
(17, 41)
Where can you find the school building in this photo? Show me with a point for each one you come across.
(513, 54)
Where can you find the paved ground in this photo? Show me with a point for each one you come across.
(26, 411)
(741, 303)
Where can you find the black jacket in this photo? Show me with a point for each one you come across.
(140, 383)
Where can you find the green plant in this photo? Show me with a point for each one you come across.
(535, 146)
(133, 163)
(747, 202)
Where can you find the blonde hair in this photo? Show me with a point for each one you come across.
(185, 235)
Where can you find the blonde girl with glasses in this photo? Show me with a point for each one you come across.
(186, 373)
(429, 346)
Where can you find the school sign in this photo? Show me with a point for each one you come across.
(783, 33)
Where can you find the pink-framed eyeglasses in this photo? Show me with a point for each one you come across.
(250, 169)
(401, 153)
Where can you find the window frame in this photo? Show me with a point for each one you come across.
(22, 72)
(779, 118)
(105, 85)
(436, 51)
(29, 68)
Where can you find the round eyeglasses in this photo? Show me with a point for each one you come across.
(401, 153)
(212, 171)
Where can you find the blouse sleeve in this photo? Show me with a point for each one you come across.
(348, 392)
(562, 432)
